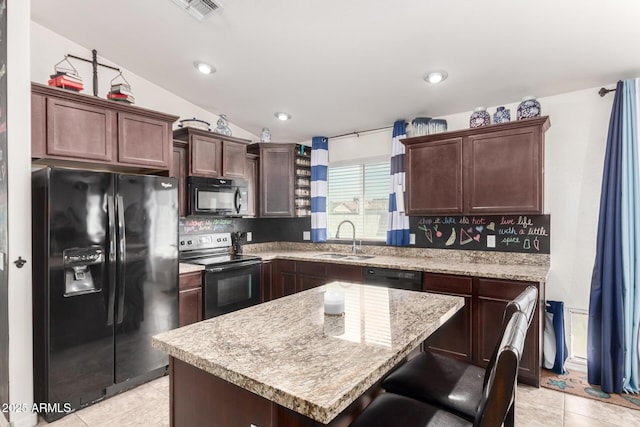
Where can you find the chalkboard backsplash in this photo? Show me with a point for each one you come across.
(503, 233)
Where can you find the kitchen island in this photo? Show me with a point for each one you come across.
(286, 363)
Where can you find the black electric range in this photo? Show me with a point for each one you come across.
(230, 281)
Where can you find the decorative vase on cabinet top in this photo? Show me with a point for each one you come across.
(420, 126)
(480, 117)
(266, 135)
(529, 108)
(502, 115)
(223, 128)
(437, 126)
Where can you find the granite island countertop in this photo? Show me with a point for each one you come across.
(289, 352)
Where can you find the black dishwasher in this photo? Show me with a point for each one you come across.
(392, 278)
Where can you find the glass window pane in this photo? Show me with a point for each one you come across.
(360, 194)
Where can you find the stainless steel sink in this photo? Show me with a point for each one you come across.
(344, 256)
(332, 256)
(358, 257)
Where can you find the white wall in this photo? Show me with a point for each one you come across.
(574, 158)
(48, 48)
(19, 179)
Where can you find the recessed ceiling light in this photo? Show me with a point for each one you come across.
(436, 77)
(204, 68)
(283, 116)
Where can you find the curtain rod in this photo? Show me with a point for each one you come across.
(357, 133)
(603, 91)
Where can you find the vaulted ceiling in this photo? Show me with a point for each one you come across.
(343, 65)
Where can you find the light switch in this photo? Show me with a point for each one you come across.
(412, 239)
(306, 235)
(491, 241)
(249, 236)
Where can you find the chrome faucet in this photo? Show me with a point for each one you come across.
(354, 249)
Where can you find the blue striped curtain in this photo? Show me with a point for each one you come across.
(614, 305)
(398, 228)
(319, 166)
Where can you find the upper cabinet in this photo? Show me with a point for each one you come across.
(72, 127)
(497, 169)
(213, 155)
(283, 179)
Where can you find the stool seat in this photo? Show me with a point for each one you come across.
(440, 380)
(393, 410)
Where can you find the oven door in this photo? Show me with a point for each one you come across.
(231, 287)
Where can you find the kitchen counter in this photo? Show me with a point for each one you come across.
(184, 268)
(288, 352)
(522, 272)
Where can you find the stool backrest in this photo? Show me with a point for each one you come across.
(526, 303)
(498, 394)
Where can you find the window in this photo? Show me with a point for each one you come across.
(360, 194)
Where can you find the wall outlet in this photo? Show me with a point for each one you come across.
(306, 235)
(249, 236)
(412, 238)
(491, 241)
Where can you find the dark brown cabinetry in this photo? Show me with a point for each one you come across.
(284, 179)
(69, 128)
(190, 298)
(179, 170)
(295, 276)
(252, 184)
(490, 169)
(454, 338)
(473, 332)
(275, 178)
(266, 273)
(213, 155)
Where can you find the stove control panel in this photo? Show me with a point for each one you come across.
(204, 241)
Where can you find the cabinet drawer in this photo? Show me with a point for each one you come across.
(313, 268)
(501, 289)
(286, 265)
(349, 273)
(446, 283)
(190, 280)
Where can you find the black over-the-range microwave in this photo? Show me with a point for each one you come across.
(216, 196)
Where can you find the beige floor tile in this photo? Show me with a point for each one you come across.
(97, 413)
(539, 407)
(576, 420)
(604, 412)
(71, 420)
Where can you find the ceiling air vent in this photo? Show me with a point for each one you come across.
(199, 9)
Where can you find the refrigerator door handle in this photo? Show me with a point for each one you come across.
(122, 243)
(112, 259)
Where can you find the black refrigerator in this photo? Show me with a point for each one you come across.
(105, 280)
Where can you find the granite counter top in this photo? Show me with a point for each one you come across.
(523, 272)
(288, 351)
(184, 268)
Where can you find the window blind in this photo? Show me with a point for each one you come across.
(359, 193)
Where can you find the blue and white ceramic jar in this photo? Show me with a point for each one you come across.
(502, 115)
(529, 108)
(480, 117)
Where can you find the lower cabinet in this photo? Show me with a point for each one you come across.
(454, 338)
(265, 281)
(190, 298)
(295, 276)
(474, 331)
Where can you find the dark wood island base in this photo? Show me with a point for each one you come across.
(198, 398)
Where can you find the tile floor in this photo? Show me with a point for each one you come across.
(148, 405)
